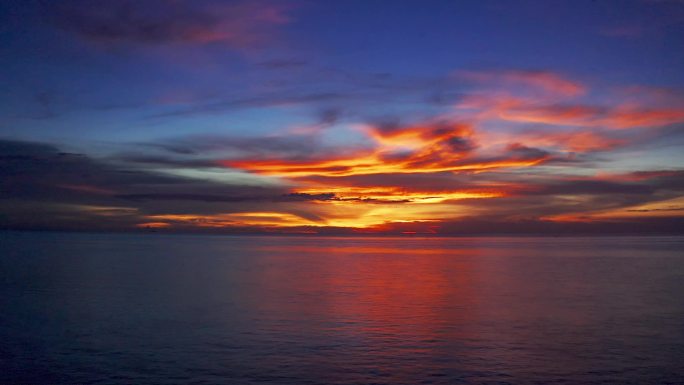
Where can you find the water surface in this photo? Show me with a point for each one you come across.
(172, 309)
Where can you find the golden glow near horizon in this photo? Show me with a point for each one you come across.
(233, 219)
(396, 194)
(343, 214)
(407, 150)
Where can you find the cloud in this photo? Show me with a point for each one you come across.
(39, 177)
(569, 198)
(265, 196)
(629, 117)
(506, 153)
(207, 151)
(269, 100)
(548, 98)
(46, 188)
(545, 81)
(487, 226)
(424, 148)
(438, 181)
(236, 24)
(537, 111)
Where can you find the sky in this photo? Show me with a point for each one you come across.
(343, 117)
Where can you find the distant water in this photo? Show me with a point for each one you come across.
(170, 309)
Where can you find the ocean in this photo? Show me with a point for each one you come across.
(196, 309)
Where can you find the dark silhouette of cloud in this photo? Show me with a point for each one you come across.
(41, 176)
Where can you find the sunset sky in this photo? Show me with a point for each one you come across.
(343, 117)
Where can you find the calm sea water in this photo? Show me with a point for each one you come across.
(159, 309)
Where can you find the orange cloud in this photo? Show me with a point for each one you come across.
(264, 219)
(411, 149)
(421, 136)
(350, 215)
(398, 194)
(373, 165)
(153, 225)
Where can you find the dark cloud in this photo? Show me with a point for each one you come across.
(517, 153)
(266, 197)
(591, 187)
(285, 98)
(492, 226)
(524, 152)
(203, 148)
(40, 177)
(40, 171)
(234, 23)
(329, 116)
(336, 89)
(164, 161)
(43, 187)
(665, 179)
(553, 196)
(668, 209)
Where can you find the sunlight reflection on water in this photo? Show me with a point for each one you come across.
(157, 309)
